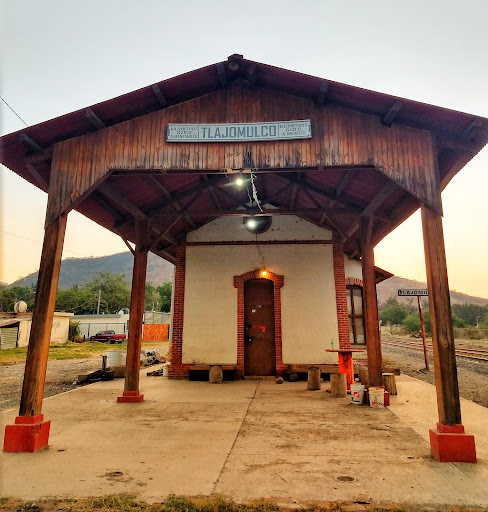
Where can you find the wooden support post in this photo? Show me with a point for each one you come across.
(448, 442)
(133, 364)
(30, 433)
(371, 319)
(422, 328)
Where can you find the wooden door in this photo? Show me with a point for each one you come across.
(259, 332)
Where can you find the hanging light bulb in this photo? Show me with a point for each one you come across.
(239, 182)
(251, 223)
(264, 273)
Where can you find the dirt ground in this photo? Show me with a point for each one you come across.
(472, 375)
(61, 376)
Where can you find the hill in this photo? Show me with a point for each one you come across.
(80, 270)
(159, 271)
(390, 287)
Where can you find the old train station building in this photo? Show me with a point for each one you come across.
(268, 189)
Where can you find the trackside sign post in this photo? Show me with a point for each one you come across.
(412, 293)
(235, 132)
(418, 294)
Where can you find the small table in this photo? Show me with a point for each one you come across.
(345, 363)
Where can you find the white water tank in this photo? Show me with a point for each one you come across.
(20, 306)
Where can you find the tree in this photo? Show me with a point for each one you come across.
(394, 313)
(470, 312)
(151, 299)
(115, 291)
(81, 301)
(165, 292)
(7, 299)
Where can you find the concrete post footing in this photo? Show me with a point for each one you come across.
(449, 443)
(28, 434)
(130, 397)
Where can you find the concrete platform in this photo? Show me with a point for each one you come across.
(245, 439)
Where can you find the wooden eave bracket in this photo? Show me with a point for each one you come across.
(471, 130)
(321, 96)
(392, 113)
(160, 96)
(94, 119)
(40, 180)
(222, 74)
(32, 144)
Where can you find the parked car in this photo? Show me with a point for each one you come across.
(108, 336)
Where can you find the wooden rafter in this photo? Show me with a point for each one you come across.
(167, 195)
(372, 206)
(37, 177)
(222, 74)
(94, 119)
(392, 113)
(159, 96)
(40, 157)
(30, 142)
(321, 96)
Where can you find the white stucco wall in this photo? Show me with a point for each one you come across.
(59, 330)
(309, 316)
(286, 227)
(352, 268)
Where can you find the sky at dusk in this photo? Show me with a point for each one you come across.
(58, 56)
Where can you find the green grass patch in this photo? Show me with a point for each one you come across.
(74, 350)
(121, 503)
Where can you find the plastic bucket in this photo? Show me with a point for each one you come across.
(377, 397)
(357, 394)
(165, 370)
(115, 357)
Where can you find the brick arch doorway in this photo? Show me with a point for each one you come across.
(277, 281)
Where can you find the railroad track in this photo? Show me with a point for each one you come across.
(464, 353)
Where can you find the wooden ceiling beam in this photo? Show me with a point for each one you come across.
(372, 206)
(163, 103)
(40, 157)
(251, 75)
(456, 145)
(323, 91)
(343, 184)
(164, 234)
(167, 195)
(209, 212)
(40, 180)
(222, 74)
(94, 119)
(471, 130)
(392, 113)
(31, 143)
(121, 201)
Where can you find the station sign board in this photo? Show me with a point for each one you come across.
(412, 293)
(239, 132)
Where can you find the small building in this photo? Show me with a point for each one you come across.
(15, 329)
(317, 171)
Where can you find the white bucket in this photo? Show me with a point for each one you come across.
(165, 370)
(115, 357)
(377, 397)
(357, 394)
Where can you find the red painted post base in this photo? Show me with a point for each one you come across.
(449, 443)
(130, 397)
(29, 434)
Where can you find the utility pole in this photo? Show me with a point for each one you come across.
(99, 296)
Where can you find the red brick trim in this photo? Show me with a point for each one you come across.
(354, 281)
(177, 370)
(341, 296)
(278, 281)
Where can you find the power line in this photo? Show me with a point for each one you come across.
(37, 242)
(14, 111)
